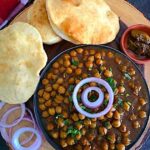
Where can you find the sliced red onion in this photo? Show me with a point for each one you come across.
(99, 81)
(97, 102)
(15, 139)
(5, 125)
(1, 104)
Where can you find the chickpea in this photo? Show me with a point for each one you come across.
(87, 122)
(81, 117)
(91, 58)
(63, 143)
(77, 81)
(116, 115)
(116, 123)
(112, 138)
(41, 100)
(109, 114)
(54, 77)
(139, 108)
(66, 56)
(46, 95)
(84, 75)
(45, 81)
(87, 147)
(105, 145)
(78, 71)
(45, 114)
(93, 125)
(80, 65)
(126, 106)
(73, 53)
(120, 147)
(85, 52)
(142, 114)
(123, 128)
(42, 107)
(48, 88)
(53, 93)
(51, 111)
(79, 50)
(110, 54)
(40, 92)
(83, 131)
(60, 122)
(121, 89)
(126, 134)
(84, 141)
(49, 76)
(78, 136)
(60, 61)
(61, 90)
(135, 124)
(108, 73)
(70, 141)
(55, 86)
(48, 103)
(69, 70)
(58, 109)
(56, 71)
(118, 60)
(131, 71)
(55, 65)
(132, 117)
(60, 81)
(102, 131)
(101, 118)
(103, 54)
(98, 55)
(65, 114)
(50, 126)
(91, 137)
(75, 117)
(89, 64)
(71, 80)
(97, 75)
(59, 99)
(55, 134)
(112, 146)
(63, 134)
(142, 101)
(106, 96)
(62, 69)
(126, 141)
(66, 101)
(99, 62)
(67, 63)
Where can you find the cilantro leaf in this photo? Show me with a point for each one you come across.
(127, 76)
(74, 62)
(73, 131)
(112, 83)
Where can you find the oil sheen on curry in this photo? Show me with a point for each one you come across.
(101, 77)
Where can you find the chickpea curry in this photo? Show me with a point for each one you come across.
(75, 131)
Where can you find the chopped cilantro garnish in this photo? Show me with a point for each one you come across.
(110, 69)
(70, 98)
(90, 68)
(66, 122)
(105, 102)
(127, 95)
(108, 138)
(59, 116)
(120, 102)
(86, 109)
(93, 98)
(71, 87)
(112, 83)
(127, 76)
(73, 132)
(129, 103)
(106, 124)
(74, 62)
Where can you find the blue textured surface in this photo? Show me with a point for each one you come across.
(143, 6)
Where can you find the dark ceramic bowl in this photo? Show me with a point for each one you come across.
(124, 44)
(36, 109)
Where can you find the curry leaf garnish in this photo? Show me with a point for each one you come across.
(74, 62)
(112, 83)
(73, 131)
(71, 87)
(127, 76)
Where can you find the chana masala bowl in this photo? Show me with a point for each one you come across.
(92, 98)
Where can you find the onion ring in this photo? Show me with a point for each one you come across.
(5, 125)
(99, 81)
(15, 139)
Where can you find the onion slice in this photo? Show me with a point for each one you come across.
(85, 93)
(1, 104)
(5, 125)
(15, 139)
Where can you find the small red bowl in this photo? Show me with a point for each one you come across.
(124, 44)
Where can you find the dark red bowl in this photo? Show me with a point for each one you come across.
(124, 45)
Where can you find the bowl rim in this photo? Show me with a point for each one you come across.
(35, 98)
(122, 42)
